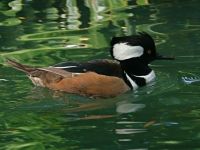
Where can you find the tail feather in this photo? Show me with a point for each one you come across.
(21, 67)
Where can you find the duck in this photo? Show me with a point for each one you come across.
(127, 70)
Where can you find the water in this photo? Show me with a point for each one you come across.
(163, 115)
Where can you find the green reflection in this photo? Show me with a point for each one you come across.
(45, 32)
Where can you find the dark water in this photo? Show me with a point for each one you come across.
(163, 115)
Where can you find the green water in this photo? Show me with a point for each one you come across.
(163, 115)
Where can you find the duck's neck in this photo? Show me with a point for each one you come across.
(136, 73)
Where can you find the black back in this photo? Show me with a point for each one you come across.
(100, 66)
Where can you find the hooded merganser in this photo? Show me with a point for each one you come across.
(134, 54)
(101, 78)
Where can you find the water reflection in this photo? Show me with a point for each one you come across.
(45, 32)
(73, 15)
(59, 25)
(123, 107)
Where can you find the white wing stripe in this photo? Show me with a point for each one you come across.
(65, 67)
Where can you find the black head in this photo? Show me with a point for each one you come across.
(140, 46)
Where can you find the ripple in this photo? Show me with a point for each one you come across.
(190, 80)
(129, 131)
(128, 107)
(4, 80)
(188, 77)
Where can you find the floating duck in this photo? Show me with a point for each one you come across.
(128, 69)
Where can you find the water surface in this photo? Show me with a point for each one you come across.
(163, 115)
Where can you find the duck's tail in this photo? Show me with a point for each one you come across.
(24, 68)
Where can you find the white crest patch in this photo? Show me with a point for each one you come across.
(123, 51)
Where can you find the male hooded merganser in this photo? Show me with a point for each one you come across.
(101, 78)
(134, 54)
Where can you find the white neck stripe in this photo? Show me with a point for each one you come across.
(133, 84)
(148, 78)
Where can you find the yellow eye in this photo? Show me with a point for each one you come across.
(149, 52)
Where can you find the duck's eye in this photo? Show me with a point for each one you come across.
(149, 52)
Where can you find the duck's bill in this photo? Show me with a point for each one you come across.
(161, 57)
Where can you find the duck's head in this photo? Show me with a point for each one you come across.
(141, 47)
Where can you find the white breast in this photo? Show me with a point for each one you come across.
(149, 77)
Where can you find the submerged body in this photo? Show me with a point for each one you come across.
(81, 78)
